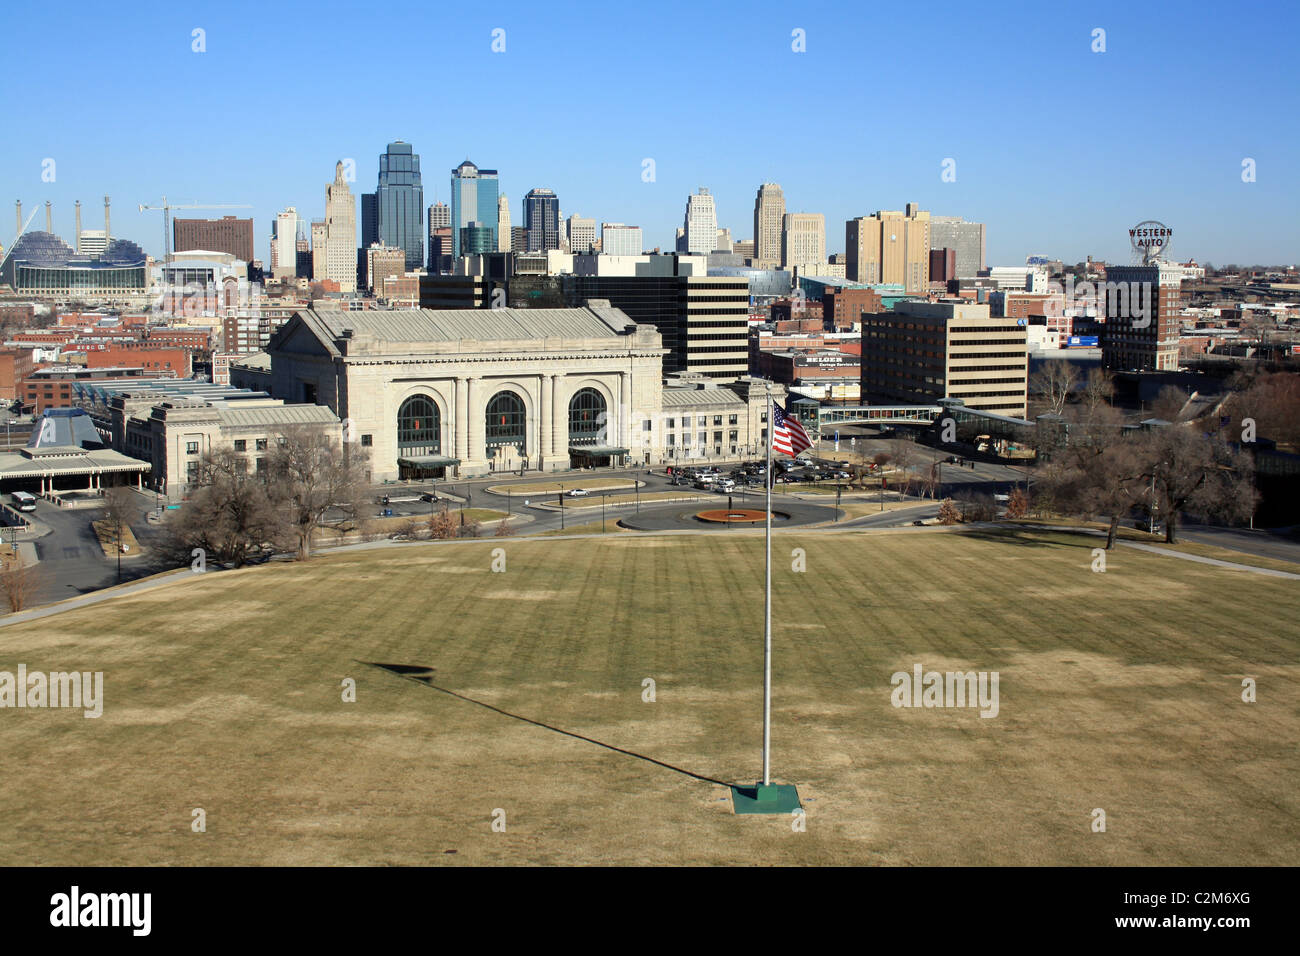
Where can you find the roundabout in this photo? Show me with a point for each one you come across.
(681, 517)
(748, 516)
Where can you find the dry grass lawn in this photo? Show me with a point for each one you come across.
(1119, 690)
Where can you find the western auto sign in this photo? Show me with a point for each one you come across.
(1150, 239)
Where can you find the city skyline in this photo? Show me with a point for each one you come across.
(1070, 187)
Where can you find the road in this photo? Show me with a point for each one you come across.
(71, 559)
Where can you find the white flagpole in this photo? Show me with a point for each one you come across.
(767, 606)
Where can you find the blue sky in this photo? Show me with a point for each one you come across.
(1057, 148)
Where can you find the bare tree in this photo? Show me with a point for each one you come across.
(230, 514)
(1053, 384)
(1100, 473)
(505, 529)
(1271, 400)
(1098, 390)
(1189, 471)
(309, 473)
(1169, 403)
(19, 582)
(118, 512)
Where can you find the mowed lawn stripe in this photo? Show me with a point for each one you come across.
(1118, 690)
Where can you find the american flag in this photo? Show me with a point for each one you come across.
(788, 435)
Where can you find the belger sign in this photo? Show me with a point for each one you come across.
(1150, 238)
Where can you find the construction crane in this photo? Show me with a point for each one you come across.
(167, 208)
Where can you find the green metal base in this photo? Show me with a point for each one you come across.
(773, 798)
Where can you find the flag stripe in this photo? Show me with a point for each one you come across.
(788, 436)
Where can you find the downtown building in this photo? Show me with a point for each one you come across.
(967, 240)
(1142, 326)
(769, 222)
(921, 352)
(700, 228)
(803, 241)
(227, 234)
(890, 248)
(542, 219)
(703, 319)
(617, 239)
(399, 203)
(474, 195)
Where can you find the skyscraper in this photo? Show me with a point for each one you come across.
(582, 235)
(399, 201)
(439, 225)
(340, 233)
(617, 239)
(769, 215)
(890, 247)
(503, 224)
(803, 240)
(542, 219)
(474, 194)
(701, 224)
(284, 249)
(966, 238)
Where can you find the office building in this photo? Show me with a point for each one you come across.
(803, 240)
(943, 264)
(474, 195)
(284, 248)
(477, 239)
(339, 263)
(921, 352)
(503, 223)
(1142, 325)
(227, 234)
(381, 262)
(542, 219)
(399, 202)
(616, 239)
(700, 229)
(966, 239)
(582, 235)
(890, 247)
(769, 219)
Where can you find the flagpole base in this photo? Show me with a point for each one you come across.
(772, 798)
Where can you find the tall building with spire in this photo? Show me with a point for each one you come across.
(503, 224)
(769, 217)
(340, 233)
(399, 202)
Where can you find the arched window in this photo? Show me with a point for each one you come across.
(419, 426)
(587, 417)
(507, 422)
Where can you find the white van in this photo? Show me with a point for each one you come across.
(24, 501)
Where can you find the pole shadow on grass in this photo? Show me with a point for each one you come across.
(424, 675)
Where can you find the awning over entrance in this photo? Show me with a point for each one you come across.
(597, 451)
(429, 461)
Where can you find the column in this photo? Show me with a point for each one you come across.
(624, 412)
(545, 433)
(462, 419)
(559, 423)
(474, 412)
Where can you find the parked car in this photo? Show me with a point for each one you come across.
(576, 493)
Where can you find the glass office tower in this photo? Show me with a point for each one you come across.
(542, 220)
(474, 194)
(399, 203)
